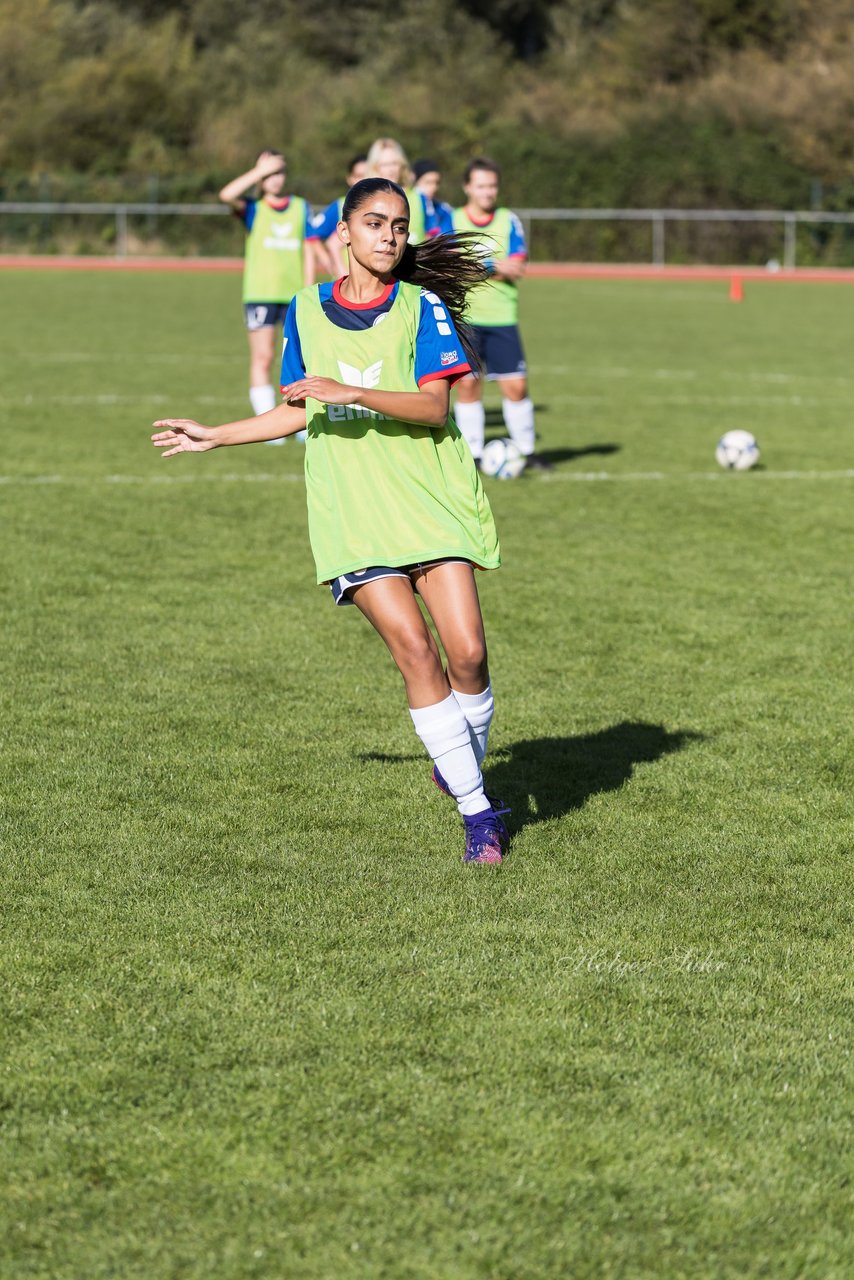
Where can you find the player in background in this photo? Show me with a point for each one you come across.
(279, 262)
(494, 316)
(387, 159)
(326, 224)
(427, 177)
(396, 508)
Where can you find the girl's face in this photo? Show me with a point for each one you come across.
(275, 184)
(390, 165)
(482, 190)
(357, 173)
(429, 184)
(377, 231)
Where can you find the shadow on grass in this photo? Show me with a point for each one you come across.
(495, 418)
(569, 455)
(542, 778)
(494, 415)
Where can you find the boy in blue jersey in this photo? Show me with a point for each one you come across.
(279, 262)
(326, 224)
(493, 314)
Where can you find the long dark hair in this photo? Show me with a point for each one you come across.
(449, 265)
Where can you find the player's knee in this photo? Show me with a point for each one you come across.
(514, 388)
(467, 390)
(467, 658)
(416, 654)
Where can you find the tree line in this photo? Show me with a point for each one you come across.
(727, 103)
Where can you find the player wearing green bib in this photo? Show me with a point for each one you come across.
(396, 507)
(279, 261)
(493, 314)
(390, 467)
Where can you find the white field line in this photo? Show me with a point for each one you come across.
(683, 400)
(192, 477)
(98, 357)
(108, 400)
(623, 371)
(571, 370)
(695, 475)
(267, 477)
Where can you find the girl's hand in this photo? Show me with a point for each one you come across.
(182, 436)
(268, 164)
(326, 390)
(511, 269)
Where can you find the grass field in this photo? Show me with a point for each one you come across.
(259, 1020)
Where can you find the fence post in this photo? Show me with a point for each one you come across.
(790, 240)
(153, 198)
(121, 231)
(657, 240)
(44, 196)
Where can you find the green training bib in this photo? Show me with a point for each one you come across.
(496, 302)
(380, 491)
(275, 245)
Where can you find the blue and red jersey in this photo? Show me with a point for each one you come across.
(438, 350)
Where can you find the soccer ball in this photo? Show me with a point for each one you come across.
(737, 451)
(502, 459)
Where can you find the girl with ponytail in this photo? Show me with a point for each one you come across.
(395, 502)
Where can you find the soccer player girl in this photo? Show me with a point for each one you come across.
(279, 261)
(326, 224)
(387, 159)
(396, 509)
(494, 316)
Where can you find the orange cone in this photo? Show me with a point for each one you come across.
(736, 290)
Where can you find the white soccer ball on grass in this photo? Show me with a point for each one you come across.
(737, 451)
(502, 459)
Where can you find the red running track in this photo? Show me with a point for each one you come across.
(546, 270)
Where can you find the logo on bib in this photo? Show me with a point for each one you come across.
(366, 378)
(283, 237)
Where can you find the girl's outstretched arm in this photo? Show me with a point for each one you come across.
(183, 435)
(425, 408)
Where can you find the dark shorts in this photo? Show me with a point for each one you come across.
(342, 586)
(264, 315)
(499, 348)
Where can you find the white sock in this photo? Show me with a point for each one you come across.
(519, 418)
(263, 399)
(471, 420)
(445, 733)
(478, 709)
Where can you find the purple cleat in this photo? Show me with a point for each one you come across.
(486, 836)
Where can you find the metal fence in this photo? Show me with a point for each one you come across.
(788, 221)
